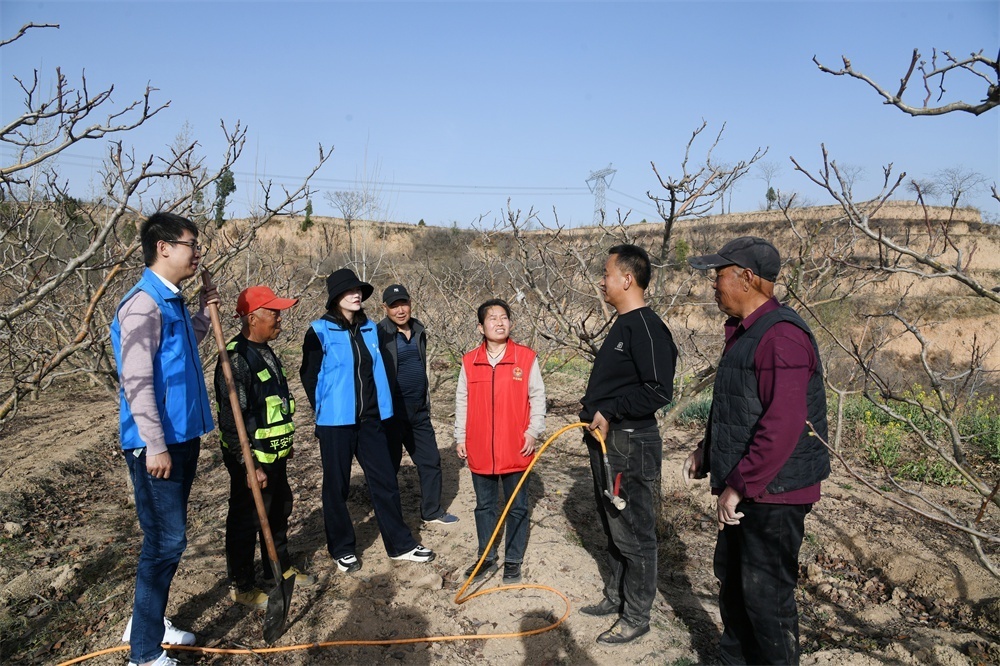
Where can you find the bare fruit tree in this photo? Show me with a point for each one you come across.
(67, 261)
(365, 211)
(698, 187)
(928, 392)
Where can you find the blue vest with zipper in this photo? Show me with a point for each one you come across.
(178, 382)
(336, 399)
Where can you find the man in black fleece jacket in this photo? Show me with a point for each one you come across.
(632, 378)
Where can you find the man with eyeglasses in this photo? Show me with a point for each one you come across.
(764, 451)
(267, 407)
(164, 412)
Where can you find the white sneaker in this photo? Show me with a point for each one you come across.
(162, 660)
(171, 634)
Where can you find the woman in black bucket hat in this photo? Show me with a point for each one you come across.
(344, 378)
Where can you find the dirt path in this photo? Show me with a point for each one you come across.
(878, 587)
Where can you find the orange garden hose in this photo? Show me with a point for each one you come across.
(459, 599)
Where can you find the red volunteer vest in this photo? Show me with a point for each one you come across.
(498, 411)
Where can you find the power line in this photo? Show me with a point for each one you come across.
(648, 202)
(466, 189)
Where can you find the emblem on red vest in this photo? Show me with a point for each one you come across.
(518, 374)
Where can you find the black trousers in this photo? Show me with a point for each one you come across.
(413, 431)
(631, 532)
(243, 526)
(338, 446)
(757, 564)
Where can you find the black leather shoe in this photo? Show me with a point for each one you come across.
(622, 632)
(511, 573)
(605, 607)
(489, 566)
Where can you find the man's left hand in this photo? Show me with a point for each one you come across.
(600, 424)
(726, 508)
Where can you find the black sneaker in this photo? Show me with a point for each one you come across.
(511, 573)
(489, 566)
(418, 554)
(349, 563)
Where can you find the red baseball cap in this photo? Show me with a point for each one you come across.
(254, 298)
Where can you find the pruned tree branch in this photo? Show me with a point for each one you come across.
(969, 64)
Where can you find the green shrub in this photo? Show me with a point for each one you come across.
(980, 424)
(697, 411)
(890, 442)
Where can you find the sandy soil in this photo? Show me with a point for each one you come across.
(878, 586)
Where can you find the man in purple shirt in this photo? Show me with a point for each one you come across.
(763, 452)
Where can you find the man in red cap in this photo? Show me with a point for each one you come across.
(267, 407)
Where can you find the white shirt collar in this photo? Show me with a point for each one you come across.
(170, 285)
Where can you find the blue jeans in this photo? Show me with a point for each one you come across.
(757, 564)
(631, 532)
(161, 505)
(487, 487)
(338, 445)
(411, 428)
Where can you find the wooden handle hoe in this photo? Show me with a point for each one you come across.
(280, 598)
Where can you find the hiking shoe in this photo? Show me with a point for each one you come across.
(171, 634)
(511, 573)
(347, 564)
(622, 632)
(418, 554)
(301, 579)
(489, 566)
(444, 519)
(162, 660)
(252, 598)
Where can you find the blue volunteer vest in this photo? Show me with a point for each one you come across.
(336, 402)
(178, 382)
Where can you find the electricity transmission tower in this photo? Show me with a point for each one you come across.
(599, 188)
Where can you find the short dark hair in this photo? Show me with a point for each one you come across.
(633, 259)
(492, 303)
(162, 227)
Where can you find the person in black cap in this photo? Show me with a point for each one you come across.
(404, 349)
(344, 378)
(765, 461)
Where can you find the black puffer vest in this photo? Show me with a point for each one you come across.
(736, 411)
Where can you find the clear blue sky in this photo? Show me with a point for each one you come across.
(459, 105)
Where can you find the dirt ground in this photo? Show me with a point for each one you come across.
(878, 586)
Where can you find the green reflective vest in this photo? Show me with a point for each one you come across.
(269, 418)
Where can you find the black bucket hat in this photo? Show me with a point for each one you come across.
(341, 280)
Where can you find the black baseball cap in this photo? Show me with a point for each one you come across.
(395, 292)
(751, 252)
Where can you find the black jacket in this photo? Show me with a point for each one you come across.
(387, 341)
(633, 373)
